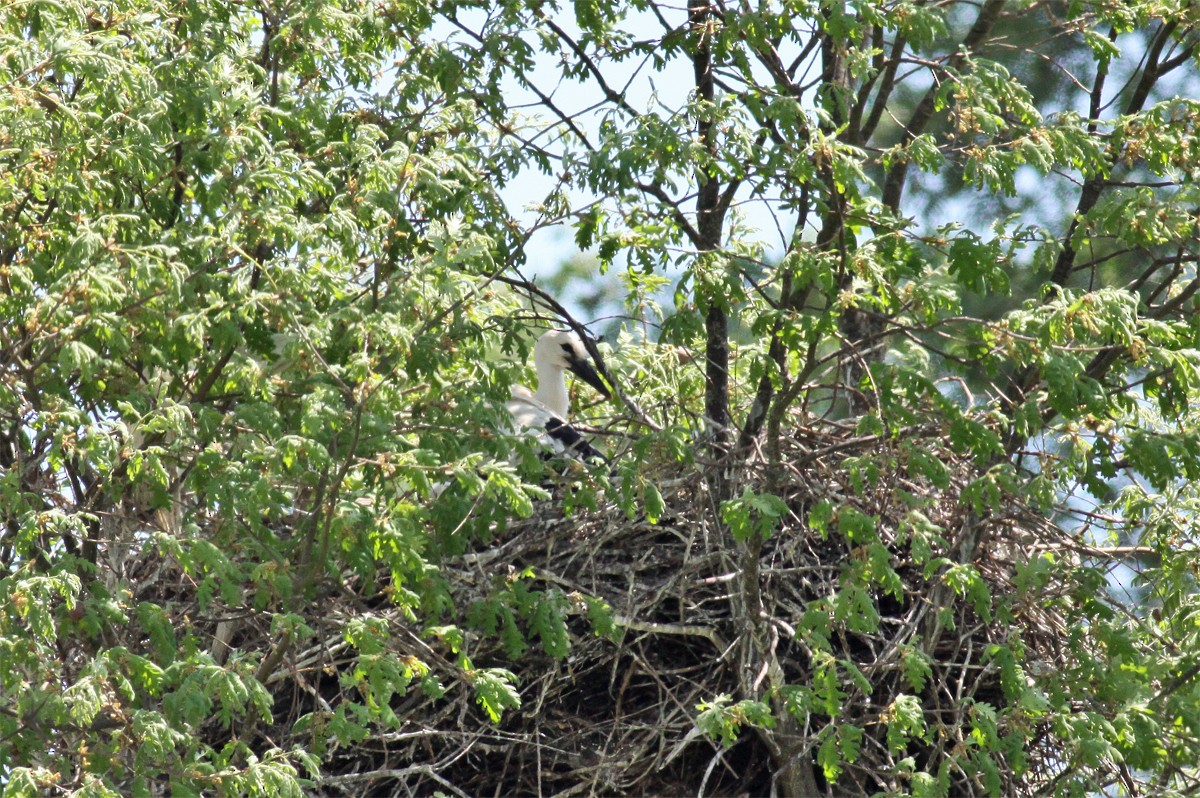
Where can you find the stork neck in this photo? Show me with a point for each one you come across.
(552, 389)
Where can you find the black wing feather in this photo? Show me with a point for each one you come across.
(573, 441)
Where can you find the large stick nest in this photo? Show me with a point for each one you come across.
(619, 717)
(700, 615)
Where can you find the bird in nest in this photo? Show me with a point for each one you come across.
(544, 412)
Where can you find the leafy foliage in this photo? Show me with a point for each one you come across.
(909, 373)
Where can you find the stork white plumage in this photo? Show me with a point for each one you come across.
(544, 412)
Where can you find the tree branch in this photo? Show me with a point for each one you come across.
(709, 224)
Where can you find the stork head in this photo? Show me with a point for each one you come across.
(562, 350)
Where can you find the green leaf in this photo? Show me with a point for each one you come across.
(905, 719)
(494, 691)
(840, 744)
(655, 506)
(723, 719)
(753, 515)
(916, 665)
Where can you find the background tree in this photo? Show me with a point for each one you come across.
(928, 386)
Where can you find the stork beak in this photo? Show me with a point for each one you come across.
(583, 369)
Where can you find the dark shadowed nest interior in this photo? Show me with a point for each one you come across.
(618, 715)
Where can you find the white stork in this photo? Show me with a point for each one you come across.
(543, 413)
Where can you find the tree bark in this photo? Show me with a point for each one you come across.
(709, 222)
